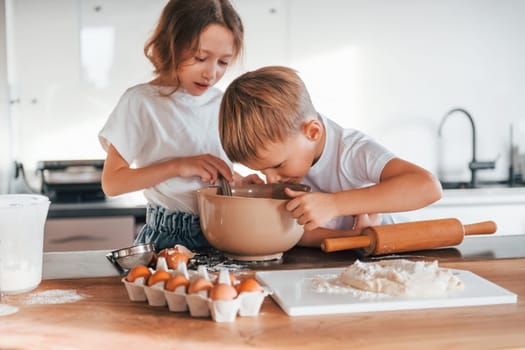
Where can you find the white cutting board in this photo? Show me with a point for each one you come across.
(295, 294)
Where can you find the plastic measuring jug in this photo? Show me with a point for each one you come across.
(22, 221)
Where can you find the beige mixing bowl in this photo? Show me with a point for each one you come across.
(253, 224)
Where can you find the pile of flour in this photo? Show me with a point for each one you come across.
(53, 296)
(7, 309)
(398, 277)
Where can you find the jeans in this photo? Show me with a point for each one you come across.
(165, 229)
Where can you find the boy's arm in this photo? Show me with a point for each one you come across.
(118, 177)
(403, 186)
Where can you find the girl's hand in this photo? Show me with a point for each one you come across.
(205, 166)
(311, 209)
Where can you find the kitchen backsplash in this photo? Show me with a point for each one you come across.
(390, 68)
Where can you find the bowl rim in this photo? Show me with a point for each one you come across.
(133, 250)
(203, 191)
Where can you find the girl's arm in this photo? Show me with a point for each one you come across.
(119, 178)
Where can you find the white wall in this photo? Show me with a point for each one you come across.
(5, 127)
(390, 68)
(69, 62)
(394, 68)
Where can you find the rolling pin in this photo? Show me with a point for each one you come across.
(409, 236)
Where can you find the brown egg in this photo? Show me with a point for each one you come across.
(177, 281)
(199, 284)
(138, 271)
(168, 251)
(174, 259)
(223, 291)
(159, 276)
(249, 285)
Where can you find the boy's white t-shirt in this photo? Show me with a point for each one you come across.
(350, 159)
(147, 128)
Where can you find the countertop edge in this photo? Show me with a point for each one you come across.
(93, 263)
(78, 264)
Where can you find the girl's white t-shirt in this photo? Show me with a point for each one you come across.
(147, 127)
(350, 159)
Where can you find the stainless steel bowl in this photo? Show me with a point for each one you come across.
(128, 258)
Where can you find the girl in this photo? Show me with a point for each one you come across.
(163, 135)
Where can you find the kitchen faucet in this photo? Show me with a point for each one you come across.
(474, 164)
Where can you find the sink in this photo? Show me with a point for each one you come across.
(451, 185)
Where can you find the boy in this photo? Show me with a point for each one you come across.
(267, 122)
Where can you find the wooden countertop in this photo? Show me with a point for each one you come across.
(106, 318)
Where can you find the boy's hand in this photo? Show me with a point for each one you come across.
(311, 209)
(205, 166)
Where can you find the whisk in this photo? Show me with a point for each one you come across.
(224, 186)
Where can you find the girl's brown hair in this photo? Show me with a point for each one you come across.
(176, 37)
(266, 105)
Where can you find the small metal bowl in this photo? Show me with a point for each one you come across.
(128, 258)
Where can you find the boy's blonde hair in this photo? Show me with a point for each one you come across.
(265, 105)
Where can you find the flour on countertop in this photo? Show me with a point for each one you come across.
(7, 309)
(401, 277)
(54, 296)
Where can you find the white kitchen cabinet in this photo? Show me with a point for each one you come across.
(88, 233)
(69, 62)
(505, 206)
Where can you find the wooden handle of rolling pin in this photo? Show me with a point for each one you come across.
(480, 228)
(409, 236)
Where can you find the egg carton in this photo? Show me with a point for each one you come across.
(199, 304)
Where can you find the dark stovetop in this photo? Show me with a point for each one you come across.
(472, 248)
(117, 206)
